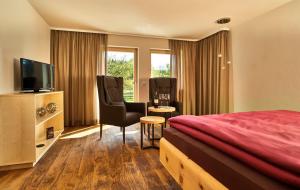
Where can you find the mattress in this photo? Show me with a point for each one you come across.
(268, 141)
(229, 171)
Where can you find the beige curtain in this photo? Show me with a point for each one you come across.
(183, 68)
(212, 74)
(78, 58)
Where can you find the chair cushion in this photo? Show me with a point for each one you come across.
(133, 117)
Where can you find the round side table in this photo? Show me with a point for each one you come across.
(163, 109)
(151, 120)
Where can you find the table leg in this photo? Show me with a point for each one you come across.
(162, 130)
(142, 135)
(148, 131)
(152, 134)
(165, 119)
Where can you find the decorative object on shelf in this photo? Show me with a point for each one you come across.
(51, 107)
(40, 112)
(50, 132)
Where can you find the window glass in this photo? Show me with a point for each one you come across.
(160, 64)
(121, 64)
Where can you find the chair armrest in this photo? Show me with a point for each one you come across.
(149, 104)
(113, 114)
(179, 107)
(135, 107)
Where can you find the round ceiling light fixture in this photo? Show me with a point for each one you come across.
(224, 20)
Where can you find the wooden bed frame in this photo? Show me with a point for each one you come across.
(187, 173)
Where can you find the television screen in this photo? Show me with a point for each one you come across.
(36, 76)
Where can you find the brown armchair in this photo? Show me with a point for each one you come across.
(163, 85)
(113, 109)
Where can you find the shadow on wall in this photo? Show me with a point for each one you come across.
(17, 75)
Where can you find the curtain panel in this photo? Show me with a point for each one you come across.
(212, 74)
(202, 73)
(78, 58)
(183, 62)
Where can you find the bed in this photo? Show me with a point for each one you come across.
(249, 150)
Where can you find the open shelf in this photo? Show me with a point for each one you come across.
(24, 130)
(40, 151)
(44, 119)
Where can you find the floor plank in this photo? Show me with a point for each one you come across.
(80, 160)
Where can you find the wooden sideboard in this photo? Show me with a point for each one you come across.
(21, 129)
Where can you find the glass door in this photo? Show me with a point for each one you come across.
(121, 62)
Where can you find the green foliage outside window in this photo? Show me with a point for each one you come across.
(160, 64)
(161, 72)
(123, 68)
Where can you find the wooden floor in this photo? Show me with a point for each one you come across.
(80, 161)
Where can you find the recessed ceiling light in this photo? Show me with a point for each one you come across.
(224, 20)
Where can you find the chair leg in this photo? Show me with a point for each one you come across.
(123, 135)
(101, 125)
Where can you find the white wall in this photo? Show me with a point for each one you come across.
(266, 61)
(23, 33)
(144, 61)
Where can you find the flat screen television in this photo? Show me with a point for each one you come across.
(36, 76)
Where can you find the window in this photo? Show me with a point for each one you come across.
(160, 63)
(121, 63)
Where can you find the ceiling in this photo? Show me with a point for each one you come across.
(189, 19)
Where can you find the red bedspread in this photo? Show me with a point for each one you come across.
(266, 140)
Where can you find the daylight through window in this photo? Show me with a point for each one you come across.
(120, 63)
(160, 63)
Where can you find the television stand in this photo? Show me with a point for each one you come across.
(22, 129)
